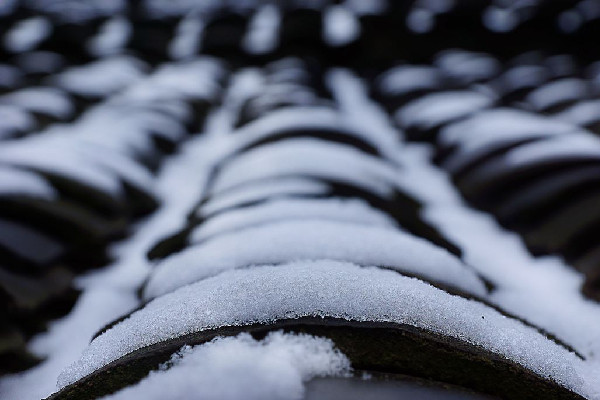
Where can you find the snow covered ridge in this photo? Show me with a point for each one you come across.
(310, 159)
(329, 289)
(306, 239)
(70, 190)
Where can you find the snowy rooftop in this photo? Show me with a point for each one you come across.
(250, 200)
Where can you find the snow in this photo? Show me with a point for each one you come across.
(310, 158)
(274, 368)
(350, 210)
(438, 108)
(262, 36)
(582, 113)
(94, 308)
(276, 188)
(483, 132)
(21, 182)
(328, 289)
(45, 154)
(188, 37)
(112, 37)
(499, 19)
(467, 67)
(26, 34)
(43, 100)
(340, 25)
(556, 92)
(420, 20)
(288, 93)
(544, 290)
(348, 92)
(312, 239)
(311, 118)
(14, 120)
(102, 78)
(408, 78)
(523, 76)
(127, 169)
(195, 78)
(129, 129)
(579, 145)
(112, 291)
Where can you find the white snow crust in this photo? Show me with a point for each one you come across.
(274, 368)
(312, 239)
(327, 289)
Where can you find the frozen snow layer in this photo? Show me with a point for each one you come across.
(276, 188)
(408, 78)
(438, 108)
(197, 78)
(523, 76)
(581, 145)
(309, 158)
(25, 35)
(556, 92)
(186, 43)
(61, 157)
(111, 38)
(279, 95)
(240, 367)
(582, 113)
(21, 182)
(263, 32)
(467, 67)
(481, 133)
(129, 129)
(340, 25)
(420, 20)
(499, 125)
(309, 118)
(14, 120)
(102, 78)
(285, 241)
(349, 210)
(328, 289)
(43, 100)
